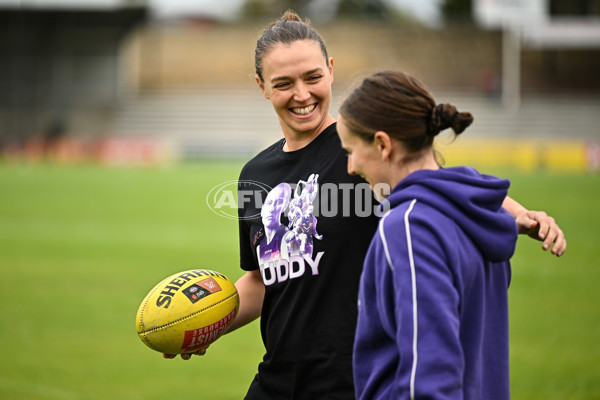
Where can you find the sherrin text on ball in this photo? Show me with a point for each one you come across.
(187, 311)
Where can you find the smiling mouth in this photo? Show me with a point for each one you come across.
(303, 111)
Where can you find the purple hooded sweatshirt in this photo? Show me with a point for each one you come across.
(433, 306)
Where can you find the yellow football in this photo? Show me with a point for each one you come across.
(187, 311)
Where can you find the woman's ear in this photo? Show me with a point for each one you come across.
(261, 85)
(384, 144)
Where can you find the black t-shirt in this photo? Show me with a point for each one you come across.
(324, 220)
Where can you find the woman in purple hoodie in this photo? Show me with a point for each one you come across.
(433, 308)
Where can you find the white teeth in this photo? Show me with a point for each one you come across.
(304, 110)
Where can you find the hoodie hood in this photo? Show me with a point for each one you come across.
(472, 200)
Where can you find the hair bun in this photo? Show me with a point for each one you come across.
(291, 15)
(444, 116)
(288, 16)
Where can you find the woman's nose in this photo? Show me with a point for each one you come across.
(350, 167)
(301, 92)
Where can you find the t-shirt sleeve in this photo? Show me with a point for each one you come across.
(248, 261)
(247, 258)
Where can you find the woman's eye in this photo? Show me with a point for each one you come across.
(281, 85)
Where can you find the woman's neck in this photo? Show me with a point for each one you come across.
(296, 140)
(402, 169)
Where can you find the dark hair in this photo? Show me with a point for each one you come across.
(400, 105)
(288, 29)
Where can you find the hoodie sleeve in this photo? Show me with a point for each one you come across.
(427, 302)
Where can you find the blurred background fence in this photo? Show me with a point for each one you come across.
(145, 82)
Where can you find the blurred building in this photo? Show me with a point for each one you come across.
(61, 65)
(139, 74)
(555, 42)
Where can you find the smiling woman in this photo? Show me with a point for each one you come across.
(294, 71)
(298, 82)
(302, 265)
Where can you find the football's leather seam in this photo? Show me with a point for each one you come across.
(185, 318)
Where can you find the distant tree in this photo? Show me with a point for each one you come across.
(375, 9)
(268, 9)
(457, 10)
(575, 7)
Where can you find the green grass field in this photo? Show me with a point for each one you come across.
(81, 245)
